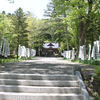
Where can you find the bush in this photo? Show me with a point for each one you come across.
(15, 56)
(90, 62)
(5, 60)
(97, 76)
(97, 71)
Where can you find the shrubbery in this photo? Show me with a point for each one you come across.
(90, 62)
(14, 59)
(97, 74)
(8, 60)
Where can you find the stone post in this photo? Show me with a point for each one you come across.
(73, 56)
(8, 50)
(89, 52)
(97, 50)
(99, 41)
(4, 47)
(2, 39)
(19, 50)
(84, 50)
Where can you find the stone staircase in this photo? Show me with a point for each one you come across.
(15, 86)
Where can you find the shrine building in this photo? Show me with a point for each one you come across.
(50, 48)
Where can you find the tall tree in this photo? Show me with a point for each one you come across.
(11, 1)
(20, 25)
(55, 24)
(5, 25)
(81, 10)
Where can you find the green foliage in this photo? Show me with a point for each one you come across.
(97, 96)
(9, 60)
(5, 25)
(15, 56)
(14, 59)
(80, 17)
(20, 32)
(90, 62)
(97, 71)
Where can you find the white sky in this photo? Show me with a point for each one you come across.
(35, 6)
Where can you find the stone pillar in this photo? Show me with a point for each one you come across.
(80, 52)
(19, 50)
(64, 53)
(99, 41)
(8, 50)
(89, 52)
(73, 55)
(25, 52)
(92, 54)
(69, 54)
(93, 50)
(97, 50)
(2, 40)
(28, 52)
(4, 47)
(84, 50)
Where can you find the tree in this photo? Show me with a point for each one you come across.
(81, 10)
(79, 13)
(11, 1)
(20, 25)
(54, 14)
(5, 25)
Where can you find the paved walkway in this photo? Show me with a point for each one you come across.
(43, 65)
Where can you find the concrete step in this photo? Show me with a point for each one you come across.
(16, 86)
(35, 89)
(39, 96)
(37, 76)
(57, 83)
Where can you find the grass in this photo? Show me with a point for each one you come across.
(9, 60)
(5, 60)
(89, 62)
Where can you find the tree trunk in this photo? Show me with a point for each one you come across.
(17, 51)
(83, 33)
(80, 29)
(66, 35)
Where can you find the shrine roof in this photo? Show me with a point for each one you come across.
(51, 44)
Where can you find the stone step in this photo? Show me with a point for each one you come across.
(57, 83)
(35, 89)
(37, 76)
(39, 96)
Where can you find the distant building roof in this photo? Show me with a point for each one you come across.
(50, 44)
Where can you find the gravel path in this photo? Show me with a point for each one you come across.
(43, 65)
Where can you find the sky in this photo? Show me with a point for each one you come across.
(34, 6)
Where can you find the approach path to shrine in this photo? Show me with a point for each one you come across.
(39, 66)
(43, 65)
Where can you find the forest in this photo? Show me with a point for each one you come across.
(71, 23)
